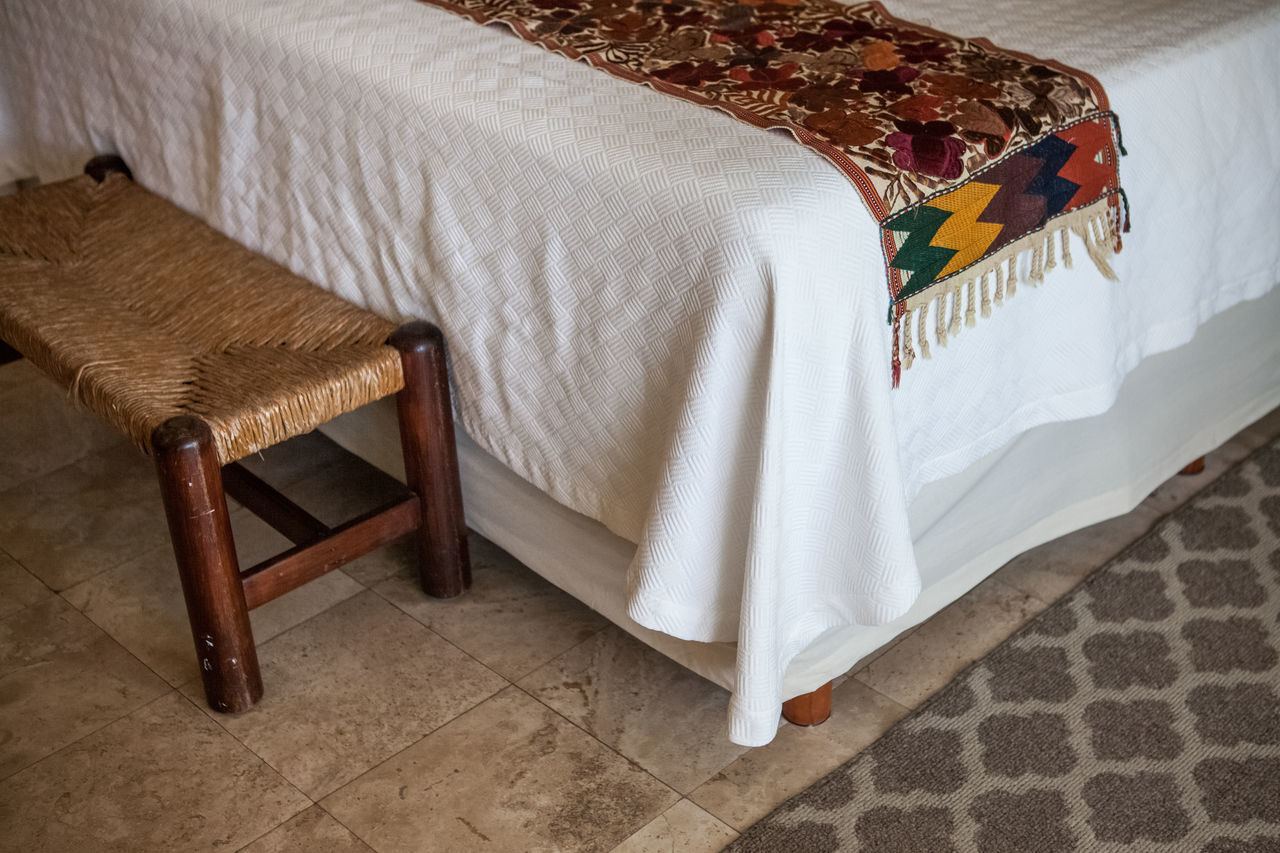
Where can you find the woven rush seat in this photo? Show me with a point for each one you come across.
(203, 352)
(146, 313)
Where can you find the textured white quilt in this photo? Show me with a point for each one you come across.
(667, 320)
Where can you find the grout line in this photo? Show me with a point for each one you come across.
(103, 628)
(310, 802)
(39, 475)
(631, 761)
(39, 580)
(513, 679)
(87, 735)
(468, 709)
(274, 828)
(549, 660)
(733, 833)
(732, 825)
(204, 710)
(354, 834)
(168, 687)
(103, 566)
(887, 698)
(117, 443)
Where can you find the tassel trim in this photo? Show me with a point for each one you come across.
(922, 330)
(957, 302)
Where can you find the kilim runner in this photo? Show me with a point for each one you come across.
(966, 154)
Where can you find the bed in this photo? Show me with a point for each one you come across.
(667, 328)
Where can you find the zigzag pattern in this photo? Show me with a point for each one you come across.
(1014, 207)
(1092, 175)
(949, 232)
(1056, 188)
(918, 253)
(964, 231)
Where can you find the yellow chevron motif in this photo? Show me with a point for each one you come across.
(962, 232)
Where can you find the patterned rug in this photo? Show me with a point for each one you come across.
(1142, 711)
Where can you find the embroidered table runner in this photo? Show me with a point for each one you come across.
(967, 155)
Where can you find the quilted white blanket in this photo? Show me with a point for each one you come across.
(666, 320)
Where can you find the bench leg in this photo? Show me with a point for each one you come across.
(105, 164)
(8, 353)
(431, 459)
(191, 486)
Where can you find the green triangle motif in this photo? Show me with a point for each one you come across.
(916, 255)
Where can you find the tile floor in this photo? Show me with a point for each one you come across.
(511, 719)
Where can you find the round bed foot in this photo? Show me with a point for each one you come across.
(1196, 467)
(809, 709)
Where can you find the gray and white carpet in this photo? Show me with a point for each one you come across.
(1141, 711)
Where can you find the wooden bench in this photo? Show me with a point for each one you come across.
(203, 352)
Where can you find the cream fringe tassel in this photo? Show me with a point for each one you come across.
(957, 302)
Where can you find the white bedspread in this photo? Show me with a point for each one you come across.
(665, 319)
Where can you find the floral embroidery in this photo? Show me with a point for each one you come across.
(959, 149)
(929, 149)
(876, 89)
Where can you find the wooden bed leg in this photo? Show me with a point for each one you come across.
(809, 709)
(191, 485)
(105, 164)
(431, 460)
(1196, 467)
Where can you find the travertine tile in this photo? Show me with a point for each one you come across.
(162, 779)
(1179, 489)
(40, 430)
(342, 488)
(509, 775)
(297, 606)
(376, 566)
(350, 688)
(510, 620)
(956, 636)
(60, 679)
(649, 708)
(1262, 431)
(683, 828)
(1049, 571)
(140, 603)
(18, 587)
(336, 487)
(752, 786)
(296, 459)
(312, 831)
(85, 518)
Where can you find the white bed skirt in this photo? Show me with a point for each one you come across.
(1172, 408)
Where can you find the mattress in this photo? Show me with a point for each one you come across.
(666, 321)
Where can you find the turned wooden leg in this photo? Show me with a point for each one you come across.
(809, 709)
(1196, 467)
(431, 460)
(191, 486)
(8, 353)
(105, 164)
